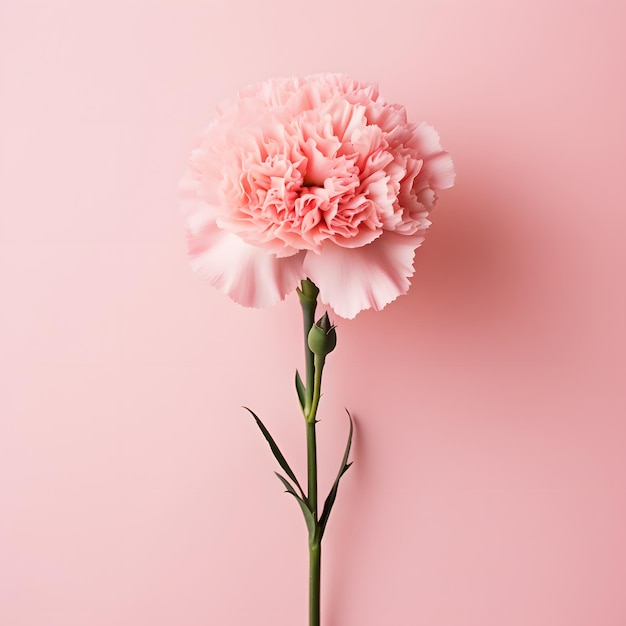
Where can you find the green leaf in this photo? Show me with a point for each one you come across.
(301, 389)
(288, 486)
(330, 500)
(308, 516)
(278, 455)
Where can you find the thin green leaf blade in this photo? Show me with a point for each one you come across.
(288, 486)
(330, 500)
(278, 455)
(308, 516)
(301, 389)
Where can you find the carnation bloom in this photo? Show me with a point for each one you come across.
(316, 177)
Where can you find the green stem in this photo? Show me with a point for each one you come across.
(315, 562)
(314, 366)
(311, 444)
(311, 450)
(315, 546)
(308, 301)
(318, 362)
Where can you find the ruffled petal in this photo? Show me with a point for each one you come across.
(249, 275)
(314, 177)
(437, 170)
(370, 277)
(426, 140)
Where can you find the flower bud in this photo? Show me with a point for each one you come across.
(308, 292)
(322, 336)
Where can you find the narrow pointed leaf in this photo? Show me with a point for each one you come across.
(288, 486)
(330, 500)
(301, 389)
(308, 516)
(278, 455)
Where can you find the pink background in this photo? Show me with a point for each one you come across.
(489, 479)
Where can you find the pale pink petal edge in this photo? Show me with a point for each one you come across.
(250, 276)
(370, 277)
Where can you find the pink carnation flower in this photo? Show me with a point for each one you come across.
(316, 177)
